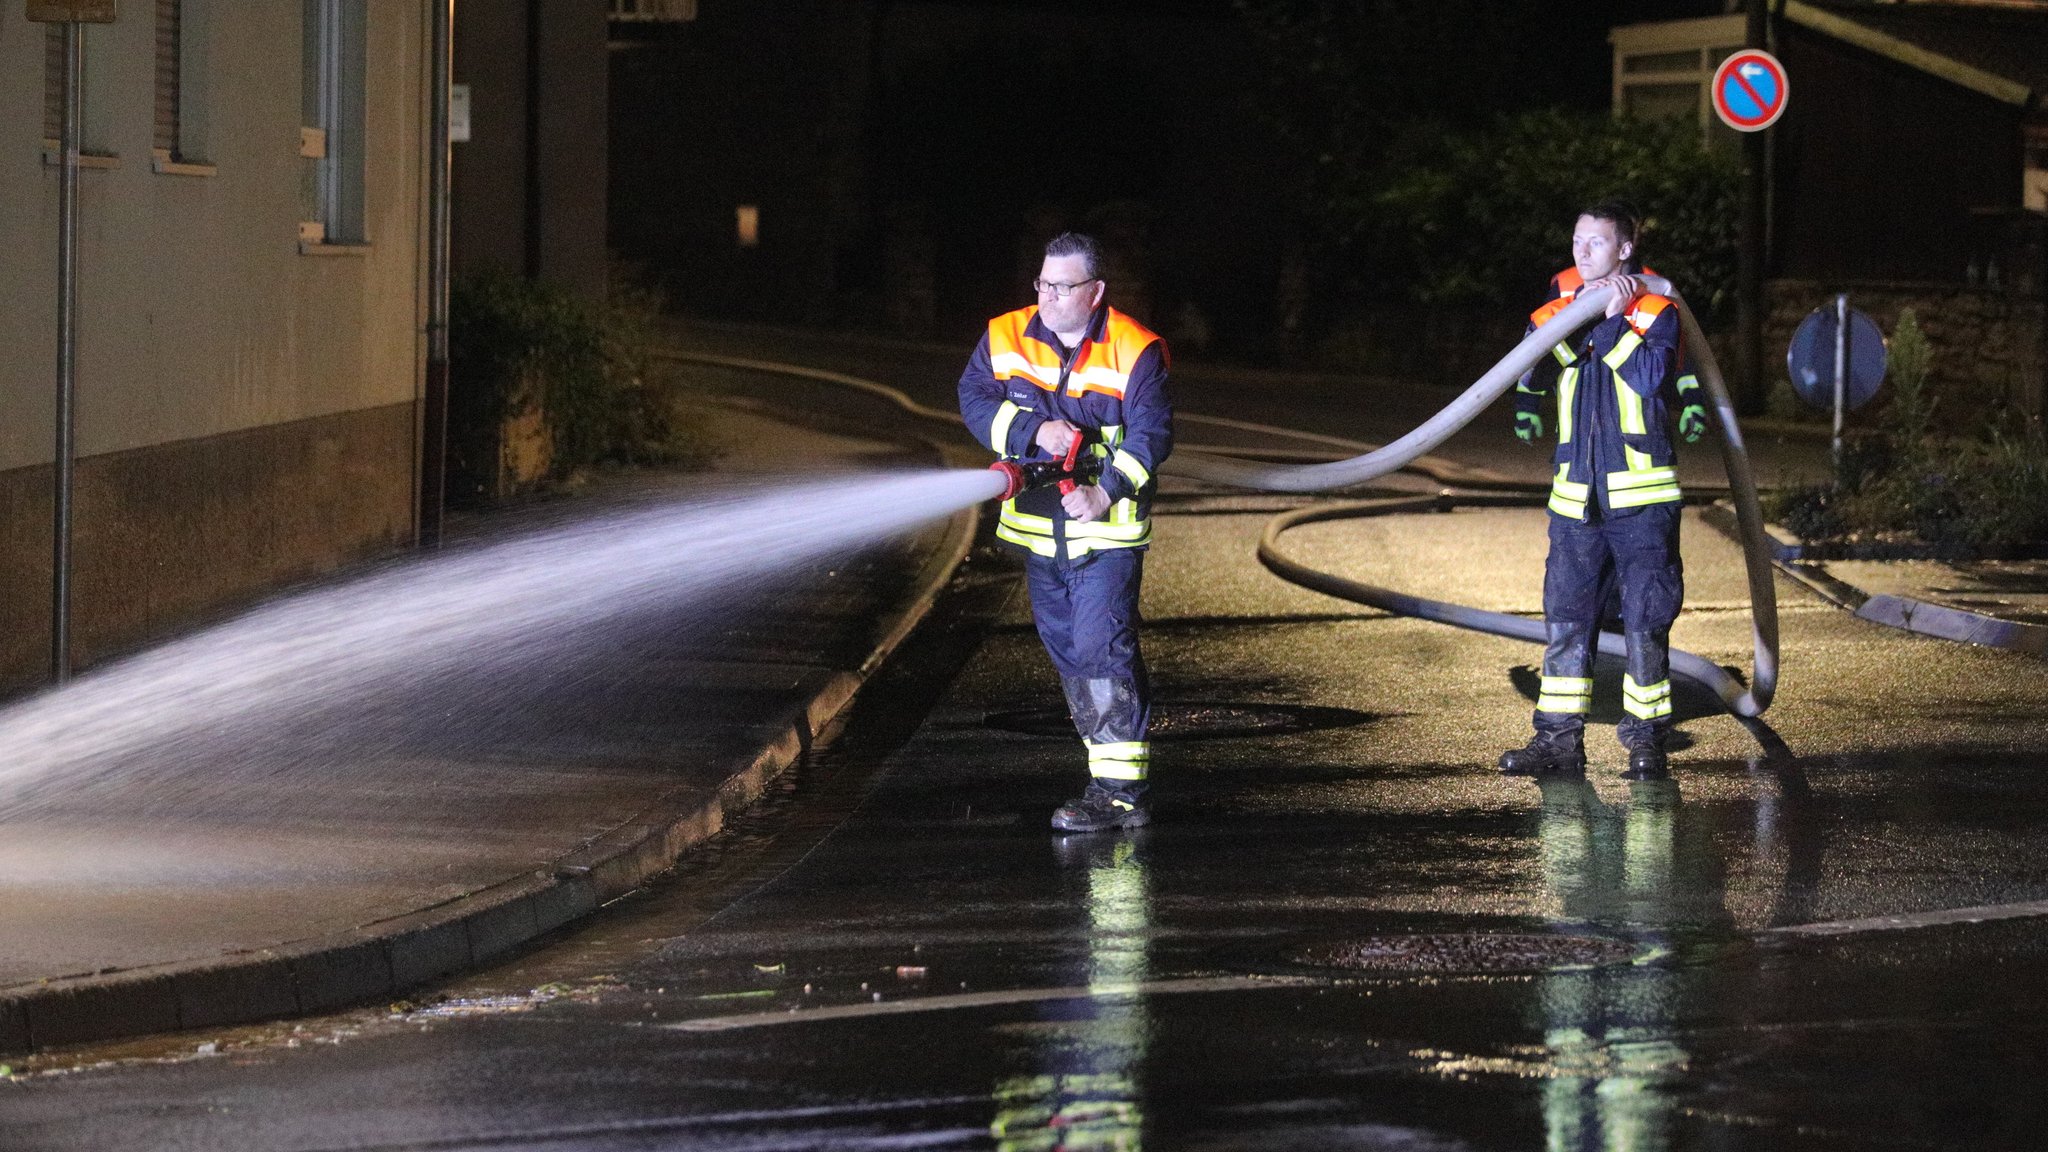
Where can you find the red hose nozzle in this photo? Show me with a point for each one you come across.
(1013, 477)
(1067, 472)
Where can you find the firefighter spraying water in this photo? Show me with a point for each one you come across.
(1071, 394)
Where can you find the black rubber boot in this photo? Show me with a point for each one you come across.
(1547, 753)
(1100, 809)
(1647, 762)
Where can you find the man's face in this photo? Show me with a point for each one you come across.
(1069, 313)
(1597, 251)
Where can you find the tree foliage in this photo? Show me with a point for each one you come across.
(1485, 217)
(1411, 186)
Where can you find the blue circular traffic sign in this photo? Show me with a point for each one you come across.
(1750, 90)
(1811, 359)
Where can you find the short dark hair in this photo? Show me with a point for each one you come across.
(1078, 244)
(1620, 213)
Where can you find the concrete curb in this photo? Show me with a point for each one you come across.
(390, 956)
(1902, 612)
(1939, 620)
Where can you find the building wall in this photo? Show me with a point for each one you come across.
(244, 409)
(909, 157)
(1878, 167)
(1988, 346)
(530, 183)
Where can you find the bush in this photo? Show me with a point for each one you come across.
(518, 346)
(1483, 217)
(1962, 496)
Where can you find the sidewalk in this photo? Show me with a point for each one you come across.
(141, 909)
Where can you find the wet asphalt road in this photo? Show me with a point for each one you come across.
(1344, 930)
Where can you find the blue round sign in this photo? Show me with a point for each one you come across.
(1749, 90)
(1811, 359)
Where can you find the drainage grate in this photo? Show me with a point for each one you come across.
(1467, 952)
(1195, 721)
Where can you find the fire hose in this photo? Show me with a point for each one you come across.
(1589, 305)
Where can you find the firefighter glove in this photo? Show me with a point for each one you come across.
(1692, 423)
(1528, 427)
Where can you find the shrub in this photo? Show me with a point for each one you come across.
(1482, 217)
(519, 346)
(1963, 496)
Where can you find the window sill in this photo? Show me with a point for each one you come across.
(53, 157)
(162, 163)
(314, 248)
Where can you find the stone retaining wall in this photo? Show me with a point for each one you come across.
(1989, 345)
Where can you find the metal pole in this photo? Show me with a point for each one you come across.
(434, 405)
(1841, 370)
(67, 355)
(1749, 263)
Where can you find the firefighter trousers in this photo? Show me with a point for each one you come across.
(1637, 553)
(1086, 611)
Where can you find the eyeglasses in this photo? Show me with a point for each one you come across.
(1058, 290)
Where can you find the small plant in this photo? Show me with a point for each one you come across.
(1961, 496)
(1912, 407)
(532, 360)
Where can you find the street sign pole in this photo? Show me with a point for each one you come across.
(433, 478)
(73, 15)
(1841, 371)
(67, 355)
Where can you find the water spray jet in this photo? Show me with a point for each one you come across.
(287, 687)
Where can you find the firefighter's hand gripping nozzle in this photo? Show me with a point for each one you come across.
(1067, 473)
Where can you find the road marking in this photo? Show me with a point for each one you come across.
(993, 999)
(1933, 919)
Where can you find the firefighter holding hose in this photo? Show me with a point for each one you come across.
(1073, 389)
(1614, 498)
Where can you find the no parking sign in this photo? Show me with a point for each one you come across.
(1749, 90)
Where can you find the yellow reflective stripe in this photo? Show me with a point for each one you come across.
(999, 430)
(1133, 471)
(1622, 350)
(1043, 545)
(1567, 497)
(1687, 383)
(1107, 530)
(1637, 461)
(1644, 497)
(1112, 434)
(1567, 387)
(1642, 486)
(1025, 520)
(1565, 694)
(1641, 478)
(1564, 354)
(1079, 548)
(1120, 750)
(1646, 703)
(1123, 761)
(1631, 406)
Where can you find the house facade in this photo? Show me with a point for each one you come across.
(1910, 169)
(251, 243)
